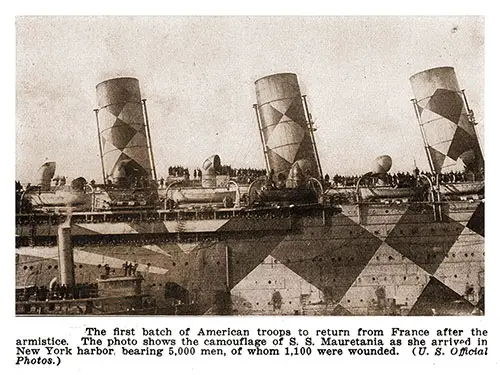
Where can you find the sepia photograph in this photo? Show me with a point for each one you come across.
(249, 165)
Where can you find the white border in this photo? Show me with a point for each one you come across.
(30, 326)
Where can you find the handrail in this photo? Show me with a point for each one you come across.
(322, 191)
(166, 192)
(358, 196)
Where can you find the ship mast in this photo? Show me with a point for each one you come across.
(259, 123)
(309, 125)
(426, 143)
(148, 134)
(96, 111)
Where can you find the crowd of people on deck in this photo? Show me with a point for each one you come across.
(241, 175)
(247, 175)
(129, 269)
(180, 171)
(398, 179)
(59, 292)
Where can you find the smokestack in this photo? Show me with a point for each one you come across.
(123, 131)
(445, 120)
(66, 263)
(284, 125)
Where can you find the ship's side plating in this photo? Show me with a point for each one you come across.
(364, 259)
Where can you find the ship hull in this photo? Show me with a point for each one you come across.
(369, 259)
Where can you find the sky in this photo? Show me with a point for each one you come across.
(198, 73)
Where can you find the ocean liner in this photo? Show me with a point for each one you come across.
(288, 241)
